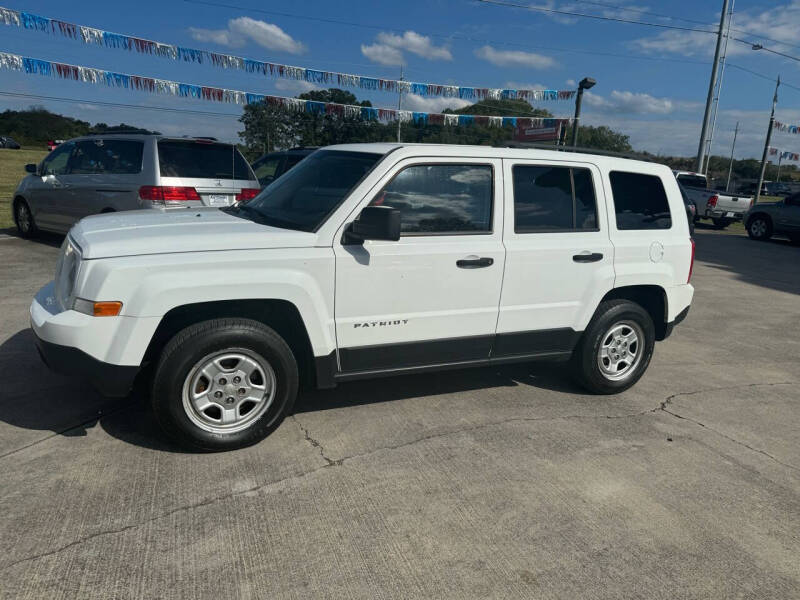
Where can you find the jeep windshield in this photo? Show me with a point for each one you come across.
(304, 197)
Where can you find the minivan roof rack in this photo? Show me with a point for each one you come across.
(124, 132)
(580, 150)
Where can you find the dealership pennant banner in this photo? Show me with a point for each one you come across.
(35, 66)
(90, 35)
(784, 155)
(786, 128)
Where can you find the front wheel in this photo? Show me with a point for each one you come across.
(615, 350)
(26, 225)
(224, 384)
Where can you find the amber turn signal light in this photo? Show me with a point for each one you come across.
(107, 309)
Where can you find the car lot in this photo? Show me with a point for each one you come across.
(506, 482)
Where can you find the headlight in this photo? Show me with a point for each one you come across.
(69, 262)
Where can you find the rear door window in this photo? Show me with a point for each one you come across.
(640, 201)
(550, 199)
(266, 169)
(201, 160)
(114, 157)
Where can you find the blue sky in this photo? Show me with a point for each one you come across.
(652, 82)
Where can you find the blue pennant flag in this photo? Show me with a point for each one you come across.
(317, 108)
(466, 119)
(31, 21)
(369, 113)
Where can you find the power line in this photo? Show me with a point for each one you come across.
(644, 12)
(591, 16)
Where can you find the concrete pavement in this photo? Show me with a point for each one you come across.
(502, 483)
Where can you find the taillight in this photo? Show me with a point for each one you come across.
(712, 202)
(168, 193)
(691, 262)
(247, 194)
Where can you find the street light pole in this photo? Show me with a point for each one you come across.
(730, 167)
(586, 83)
(399, 102)
(701, 149)
(766, 142)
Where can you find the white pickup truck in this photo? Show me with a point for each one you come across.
(721, 208)
(368, 260)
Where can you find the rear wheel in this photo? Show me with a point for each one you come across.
(224, 384)
(721, 223)
(759, 228)
(26, 225)
(615, 350)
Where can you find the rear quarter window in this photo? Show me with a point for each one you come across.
(201, 160)
(640, 201)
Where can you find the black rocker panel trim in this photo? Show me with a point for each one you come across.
(412, 354)
(432, 355)
(535, 342)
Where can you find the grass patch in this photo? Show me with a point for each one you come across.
(12, 170)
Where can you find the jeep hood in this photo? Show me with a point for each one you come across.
(138, 232)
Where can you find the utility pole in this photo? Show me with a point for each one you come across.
(780, 158)
(701, 149)
(399, 101)
(718, 93)
(767, 141)
(730, 167)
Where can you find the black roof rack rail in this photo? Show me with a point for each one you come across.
(578, 149)
(123, 132)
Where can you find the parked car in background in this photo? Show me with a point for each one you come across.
(271, 166)
(369, 260)
(116, 172)
(721, 208)
(10, 143)
(766, 219)
(777, 189)
(53, 144)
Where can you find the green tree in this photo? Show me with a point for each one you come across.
(601, 138)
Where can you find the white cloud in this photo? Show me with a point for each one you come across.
(244, 29)
(626, 102)
(779, 23)
(388, 48)
(433, 104)
(521, 85)
(571, 83)
(505, 58)
(415, 43)
(383, 55)
(296, 86)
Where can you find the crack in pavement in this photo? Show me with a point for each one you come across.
(314, 443)
(329, 462)
(663, 408)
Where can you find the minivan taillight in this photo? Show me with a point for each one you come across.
(247, 194)
(712, 202)
(163, 194)
(691, 262)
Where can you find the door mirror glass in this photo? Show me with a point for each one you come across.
(30, 168)
(375, 223)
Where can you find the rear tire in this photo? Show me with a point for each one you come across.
(721, 223)
(224, 384)
(616, 348)
(759, 228)
(23, 217)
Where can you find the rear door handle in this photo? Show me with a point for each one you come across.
(474, 263)
(587, 257)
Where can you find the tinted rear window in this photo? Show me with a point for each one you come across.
(178, 158)
(553, 199)
(640, 201)
(693, 181)
(102, 156)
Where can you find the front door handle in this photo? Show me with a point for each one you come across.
(474, 263)
(587, 257)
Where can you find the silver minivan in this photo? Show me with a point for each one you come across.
(114, 172)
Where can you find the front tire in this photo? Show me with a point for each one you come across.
(616, 348)
(23, 217)
(224, 384)
(759, 228)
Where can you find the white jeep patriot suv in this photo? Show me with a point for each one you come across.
(368, 260)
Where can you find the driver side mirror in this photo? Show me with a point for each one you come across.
(374, 223)
(30, 168)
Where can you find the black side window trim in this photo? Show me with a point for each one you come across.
(490, 231)
(574, 229)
